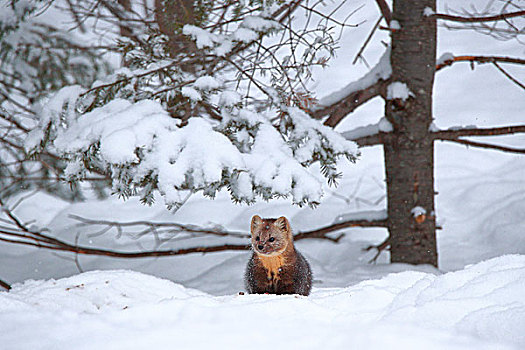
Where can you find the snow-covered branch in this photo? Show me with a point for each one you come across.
(346, 100)
(143, 149)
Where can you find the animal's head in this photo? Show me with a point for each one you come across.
(270, 236)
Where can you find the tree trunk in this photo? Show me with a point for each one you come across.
(409, 152)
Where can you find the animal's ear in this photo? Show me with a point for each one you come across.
(282, 223)
(256, 221)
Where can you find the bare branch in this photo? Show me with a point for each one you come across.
(22, 235)
(367, 40)
(153, 225)
(487, 145)
(454, 134)
(499, 17)
(385, 10)
(380, 247)
(480, 59)
(321, 232)
(340, 109)
(372, 140)
(510, 77)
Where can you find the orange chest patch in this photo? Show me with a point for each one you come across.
(272, 265)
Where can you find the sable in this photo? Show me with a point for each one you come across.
(276, 267)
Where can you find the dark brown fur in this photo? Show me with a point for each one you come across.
(276, 267)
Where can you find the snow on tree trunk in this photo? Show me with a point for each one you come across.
(409, 153)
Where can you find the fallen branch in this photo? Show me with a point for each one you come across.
(499, 17)
(321, 232)
(23, 235)
(5, 285)
(174, 227)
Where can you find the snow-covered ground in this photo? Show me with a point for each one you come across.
(480, 307)
(354, 304)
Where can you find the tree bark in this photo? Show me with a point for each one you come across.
(409, 151)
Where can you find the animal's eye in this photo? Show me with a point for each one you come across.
(271, 239)
(257, 238)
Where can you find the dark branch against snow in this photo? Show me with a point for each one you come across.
(453, 135)
(499, 17)
(385, 11)
(449, 59)
(488, 145)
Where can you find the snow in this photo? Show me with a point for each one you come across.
(479, 307)
(368, 215)
(395, 25)
(427, 11)
(245, 35)
(229, 98)
(445, 57)
(259, 24)
(398, 90)
(202, 37)
(371, 129)
(191, 93)
(433, 127)
(384, 125)
(206, 82)
(418, 211)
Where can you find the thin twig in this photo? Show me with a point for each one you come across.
(38, 239)
(380, 247)
(488, 145)
(510, 77)
(368, 38)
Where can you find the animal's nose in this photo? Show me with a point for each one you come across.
(260, 246)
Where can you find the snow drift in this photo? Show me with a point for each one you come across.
(480, 307)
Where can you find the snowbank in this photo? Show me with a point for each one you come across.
(480, 307)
